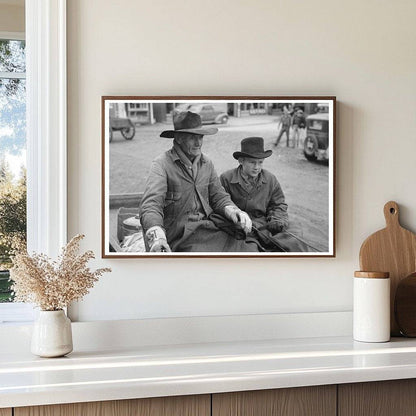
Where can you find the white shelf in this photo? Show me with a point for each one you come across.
(150, 371)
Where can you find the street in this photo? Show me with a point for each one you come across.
(304, 183)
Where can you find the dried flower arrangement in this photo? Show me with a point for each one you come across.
(53, 285)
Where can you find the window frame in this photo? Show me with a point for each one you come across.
(14, 312)
(46, 137)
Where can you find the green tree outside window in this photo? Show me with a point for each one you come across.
(12, 144)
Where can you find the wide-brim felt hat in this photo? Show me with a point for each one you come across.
(188, 122)
(252, 147)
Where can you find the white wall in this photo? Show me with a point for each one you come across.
(12, 18)
(363, 52)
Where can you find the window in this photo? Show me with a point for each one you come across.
(46, 135)
(12, 154)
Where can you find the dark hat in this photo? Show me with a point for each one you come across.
(188, 122)
(252, 147)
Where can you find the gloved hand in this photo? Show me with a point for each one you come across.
(275, 226)
(156, 239)
(238, 217)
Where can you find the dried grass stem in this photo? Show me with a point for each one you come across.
(53, 285)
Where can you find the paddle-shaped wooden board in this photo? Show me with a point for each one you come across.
(393, 250)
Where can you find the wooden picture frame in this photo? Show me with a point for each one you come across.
(303, 163)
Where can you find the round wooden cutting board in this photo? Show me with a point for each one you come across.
(393, 250)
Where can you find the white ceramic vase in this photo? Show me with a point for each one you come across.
(52, 334)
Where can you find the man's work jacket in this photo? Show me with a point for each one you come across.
(170, 193)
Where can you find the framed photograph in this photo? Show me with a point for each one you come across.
(218, 176)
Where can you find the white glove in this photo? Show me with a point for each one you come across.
(156, 239)
(238, 217)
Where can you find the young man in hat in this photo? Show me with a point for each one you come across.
(299, 122)
(285, 123)
(258, 192)
(181, 193)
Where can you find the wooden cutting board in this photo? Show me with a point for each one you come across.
(393, 250)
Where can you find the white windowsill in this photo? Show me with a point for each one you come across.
(16, 313)
(199, 368)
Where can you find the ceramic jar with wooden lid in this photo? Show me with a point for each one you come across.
(371, 305)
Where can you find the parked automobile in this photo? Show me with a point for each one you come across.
(322, 108)
(182, 107)
(210, 113)
(317, 137)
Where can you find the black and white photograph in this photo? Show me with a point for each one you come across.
(218, 176)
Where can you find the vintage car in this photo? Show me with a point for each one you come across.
(322, 108)
(210, 113)
(181, 107)
(317, 137)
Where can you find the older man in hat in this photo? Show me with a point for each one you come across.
(258, 192)
(182, 192)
